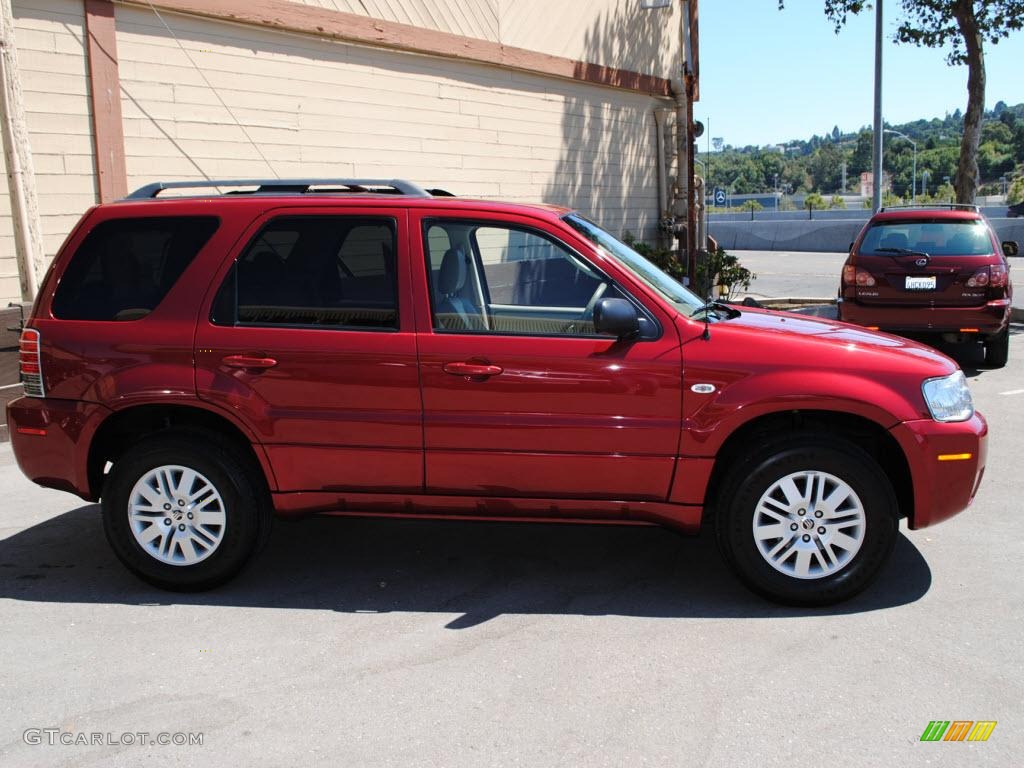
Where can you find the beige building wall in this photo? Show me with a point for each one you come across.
(51, 54)
(318, 108)
(613, 33)
(284, 104)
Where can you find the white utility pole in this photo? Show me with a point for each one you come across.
(21, 180)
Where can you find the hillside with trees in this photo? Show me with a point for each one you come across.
(816, 164)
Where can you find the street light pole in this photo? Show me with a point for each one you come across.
(913, 178)
(876, 164)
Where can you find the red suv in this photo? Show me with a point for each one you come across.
(352, 347)
(934, 270)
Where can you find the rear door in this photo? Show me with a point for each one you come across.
(309, 339)
(521, 396)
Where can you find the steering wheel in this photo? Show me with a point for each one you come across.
(588, 312)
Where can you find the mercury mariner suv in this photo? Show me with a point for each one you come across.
(201, 363)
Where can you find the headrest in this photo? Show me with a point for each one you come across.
(452, 275)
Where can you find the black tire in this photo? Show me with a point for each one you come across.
(756, 472)
(997, 349)
(242, 489)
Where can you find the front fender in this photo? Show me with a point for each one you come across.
(709, 419)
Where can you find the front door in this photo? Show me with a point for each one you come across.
(310, 342)
(521, 396)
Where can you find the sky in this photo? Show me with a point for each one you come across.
(770, 76)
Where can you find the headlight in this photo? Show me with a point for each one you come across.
(948, 398)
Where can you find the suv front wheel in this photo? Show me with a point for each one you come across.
(184, 512)
(808, 521)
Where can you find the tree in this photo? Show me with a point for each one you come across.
(816, 201)
(1016, 192)
(965, 26)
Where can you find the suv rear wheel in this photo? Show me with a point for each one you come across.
(184, 512)
(807, 522)
(997, 349)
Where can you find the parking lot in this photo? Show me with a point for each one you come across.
(464, 644)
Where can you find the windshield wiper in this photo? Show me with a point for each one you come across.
(710, 304)
(903, 252)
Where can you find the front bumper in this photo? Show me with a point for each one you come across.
(943, 488)
(988, 319)
(51, 441)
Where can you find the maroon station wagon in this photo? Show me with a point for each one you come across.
(931, 270)
(200, 364)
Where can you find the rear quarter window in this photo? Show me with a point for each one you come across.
(125, 267)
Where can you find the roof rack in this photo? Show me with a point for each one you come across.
(926, 206)
(287, 186)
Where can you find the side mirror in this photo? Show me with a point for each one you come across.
(1010, 248)
(616, 317)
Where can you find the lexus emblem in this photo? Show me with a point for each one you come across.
(922, 262)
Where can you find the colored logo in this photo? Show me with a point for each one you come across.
(958, 730)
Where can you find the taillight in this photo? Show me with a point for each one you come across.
(855, 276)
(998, 276)
(30, 363)
(979, 279)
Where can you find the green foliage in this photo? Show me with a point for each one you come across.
(816, 166)
(1016, 192)
(962, 28)
(726, 273)
(815, 201)
(724, 268)
(837, 202)
(752, 205)
(937, 23)
(666, 259)
(944, 194)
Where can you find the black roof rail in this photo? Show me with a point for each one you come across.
(285, 186)
(927, 206)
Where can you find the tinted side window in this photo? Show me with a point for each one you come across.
(319, 271)
(503, 279)
(125, 267)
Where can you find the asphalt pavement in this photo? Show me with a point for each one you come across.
(418, 643)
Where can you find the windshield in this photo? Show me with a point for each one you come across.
(667, 287)
(936, 237)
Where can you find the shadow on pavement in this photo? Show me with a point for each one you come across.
(479, 570)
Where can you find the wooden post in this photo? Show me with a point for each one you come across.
(21, 181)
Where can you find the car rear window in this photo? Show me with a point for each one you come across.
(935, 237)
(125, 267)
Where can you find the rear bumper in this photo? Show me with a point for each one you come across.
(943, 488)
(51, 441)
(988, 318)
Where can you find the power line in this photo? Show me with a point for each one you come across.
(212, 89)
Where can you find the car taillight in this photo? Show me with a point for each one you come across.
(30, 363)
(998, 276)
(855, 276)
(979, 279)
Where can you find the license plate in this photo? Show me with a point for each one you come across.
(921, 283)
